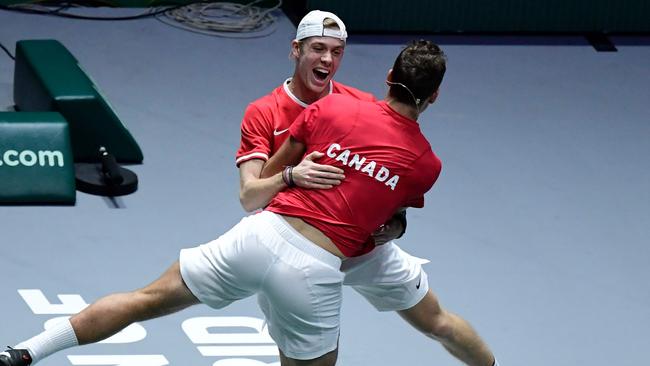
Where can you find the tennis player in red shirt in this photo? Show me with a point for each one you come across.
(388, 165)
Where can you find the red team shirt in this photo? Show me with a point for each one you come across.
(388, 164)
(266, 121)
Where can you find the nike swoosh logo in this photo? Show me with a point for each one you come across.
(418, 285)
(278, 133)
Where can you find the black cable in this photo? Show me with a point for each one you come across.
(168, 10)
(63, 6)
(7, 51)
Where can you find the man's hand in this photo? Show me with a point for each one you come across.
(393, 229)
(308, 174)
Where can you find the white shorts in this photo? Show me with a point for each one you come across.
(299, 283)
(388, 277)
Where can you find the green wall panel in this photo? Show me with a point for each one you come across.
(490, 15)
(623, 16)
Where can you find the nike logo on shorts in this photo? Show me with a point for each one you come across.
(278, 133)
(418, 285)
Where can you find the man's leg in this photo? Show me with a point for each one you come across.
(454, 333)
(392, 280)
(328, 359)
(111, 314)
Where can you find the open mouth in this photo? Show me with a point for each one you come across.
(321, 74)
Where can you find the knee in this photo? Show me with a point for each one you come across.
(328, 359)
(440, 326)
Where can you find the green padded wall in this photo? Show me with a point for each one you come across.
(563, 16)
(36, 164)
(581, 16)
(47, 77)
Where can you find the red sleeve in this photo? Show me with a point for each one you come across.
(303, 127)
(256, 134)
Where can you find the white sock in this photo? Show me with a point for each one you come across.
(57, 338)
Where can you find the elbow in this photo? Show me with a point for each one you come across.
(248, 208)
(246, 203)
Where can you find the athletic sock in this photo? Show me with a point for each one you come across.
(57, 338)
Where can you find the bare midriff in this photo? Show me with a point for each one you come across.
(313, 235)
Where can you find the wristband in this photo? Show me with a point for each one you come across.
(290, 176)
(287, 176)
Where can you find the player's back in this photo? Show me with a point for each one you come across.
(388, 164)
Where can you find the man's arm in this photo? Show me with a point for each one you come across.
(394, 228)
(289, 154)
(255, 192)
(307, 174)
(259, 182)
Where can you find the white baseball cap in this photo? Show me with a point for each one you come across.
(311, 25)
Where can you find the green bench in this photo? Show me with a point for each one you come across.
(47, 77)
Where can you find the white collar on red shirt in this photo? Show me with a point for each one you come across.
(295, 98)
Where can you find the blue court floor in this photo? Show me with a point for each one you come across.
(538, 230)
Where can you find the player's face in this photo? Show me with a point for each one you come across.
(317, 60)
